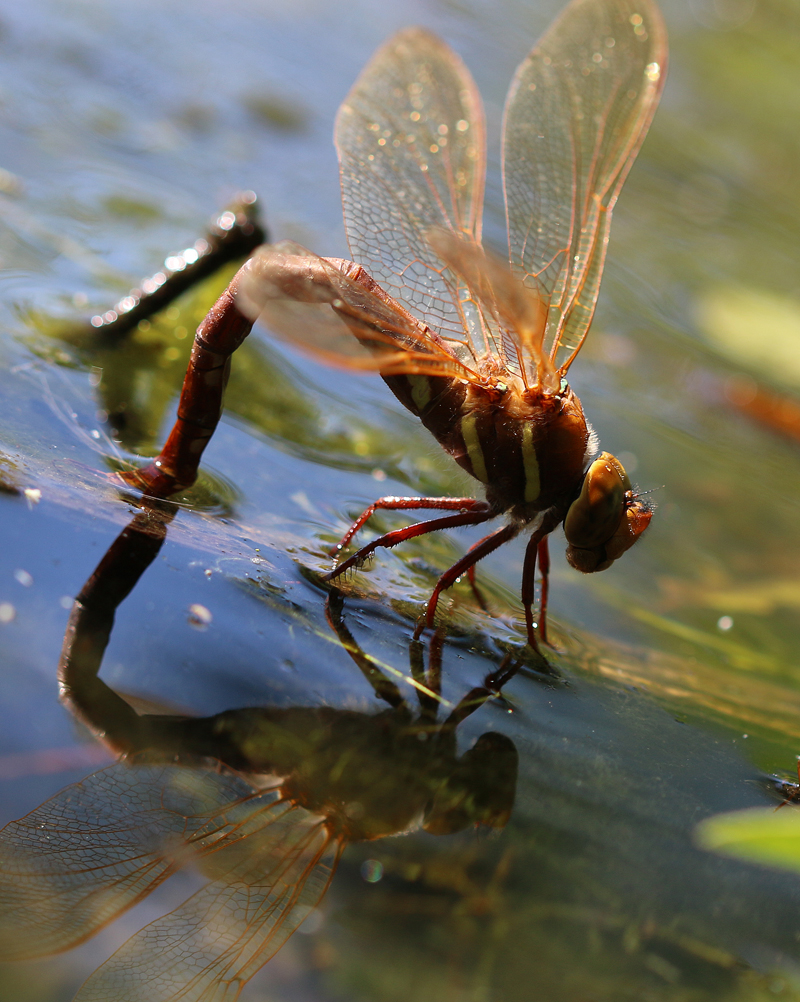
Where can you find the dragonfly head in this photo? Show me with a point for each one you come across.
(480, 790)
(606, 518)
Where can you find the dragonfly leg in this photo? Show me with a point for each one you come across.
(544, 570)
(200, 406)
(478, 594)
(404, 503)
(528, 577)
(475, 553)
(537, 546)
(475, 517)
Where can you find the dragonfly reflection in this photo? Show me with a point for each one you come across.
(262, 800)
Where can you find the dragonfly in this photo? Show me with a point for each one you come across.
(261, 800)
(479, 349)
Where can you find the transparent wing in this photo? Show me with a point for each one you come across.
(311, 302)
(514, 313)
(577, 111)
(96, 848)
(411, 144)
(263, 886)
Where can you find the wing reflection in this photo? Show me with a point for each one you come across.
(261, 800)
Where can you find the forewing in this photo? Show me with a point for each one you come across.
(96, 848)
(310, 302)
(263, 886)
(411, 144)
(576, 114)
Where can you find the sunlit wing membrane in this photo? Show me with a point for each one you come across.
(411, 144)
(263, 886)
(80, 859)
(513, 310)
(576, 114)
(308, 301)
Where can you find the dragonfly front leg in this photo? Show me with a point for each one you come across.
(392, 503)
(481, 512)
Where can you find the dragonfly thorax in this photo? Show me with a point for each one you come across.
(528, 448)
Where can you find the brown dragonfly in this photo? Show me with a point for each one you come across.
(262, 800)
(478, 349)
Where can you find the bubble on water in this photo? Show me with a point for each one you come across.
(199, 616)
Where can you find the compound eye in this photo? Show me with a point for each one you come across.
(637, 518)
(595, 515)
(606, 519)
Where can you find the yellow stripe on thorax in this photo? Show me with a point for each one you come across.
(473, 444)
(530, 464)
(420, 391)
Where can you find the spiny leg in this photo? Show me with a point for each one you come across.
(410, 531)
(392, 503)
(475, 553)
